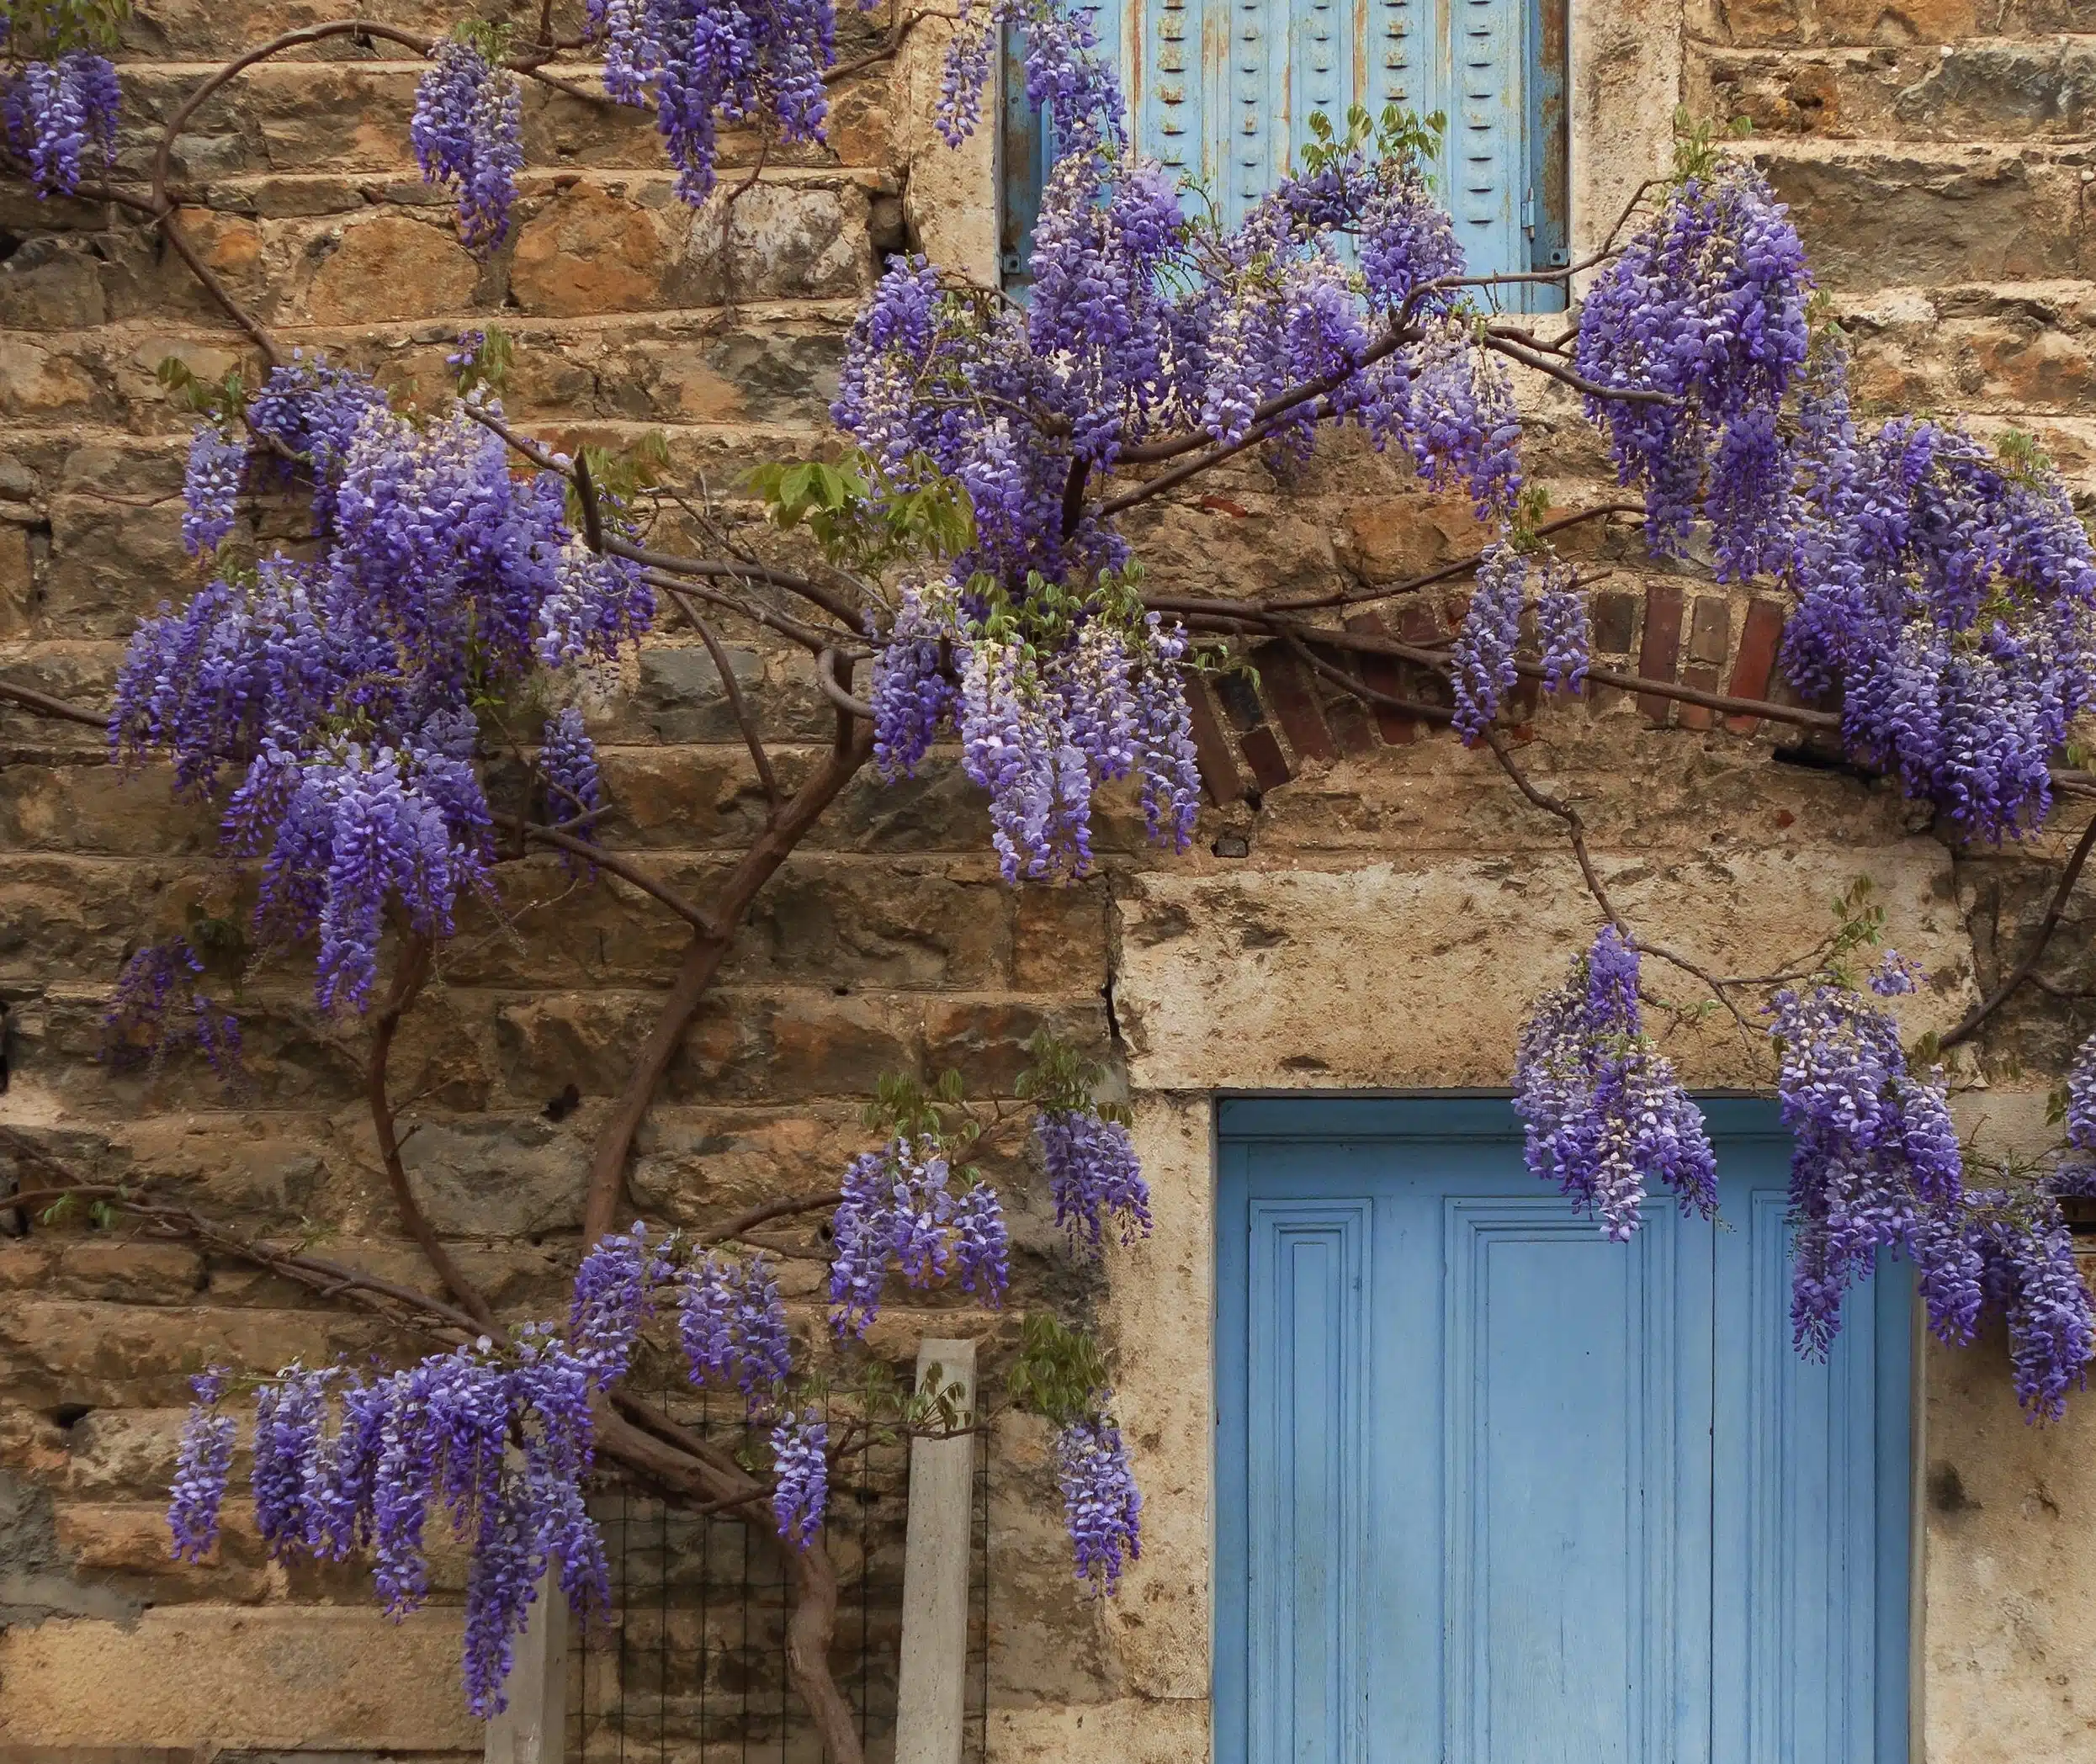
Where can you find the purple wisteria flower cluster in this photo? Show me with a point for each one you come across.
(53, 110)
(1101, 1505)
(1877, 1167)
(1483, 652)
(159, 1006)
(700, 62)
(1947, 591)
(800, 1468)
(1044, 723)
(1068, 81)
(498, 1437)
(345, 1464)
(2027, 1267)
(901, 1214)
(1095, 1179)
(1875, 1151)
(732, 1325)
(1605, 1113)
(211, 484)
(469, 132)
(1705, 305)
(2080, 1109)
(203, 1462)
(574, 787)
(336, 691)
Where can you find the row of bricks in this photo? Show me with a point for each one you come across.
(1321, 728)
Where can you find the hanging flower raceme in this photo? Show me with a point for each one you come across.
(210, 488)
(202, 1464)
(1560, 622)
(1704, 306)
(497, 1439)
(1460, 421)
(800, 1469)
(1043, 724)
(901, 1214)
(1094, 1178)
(1483, 652)
(732, 1325)
(340, 690)
(159, 1005)
(2081, 1097)
(469, 132)
(2027, 1266)
(1068, 83)
(1605, 1113)
(52, 111)
(1948, 593)
(1101, 1505)
(1875, 1164)
(913, 690)
(701, 62)
(567, 762)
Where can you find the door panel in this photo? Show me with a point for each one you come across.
(1493, 1489)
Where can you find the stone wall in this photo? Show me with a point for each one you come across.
(1366, 906)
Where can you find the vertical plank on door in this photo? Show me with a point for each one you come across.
(1309, 1298)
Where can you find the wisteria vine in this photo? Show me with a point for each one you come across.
(500, 1436)
(341, 707)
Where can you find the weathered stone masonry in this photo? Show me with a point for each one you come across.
(1367, 905)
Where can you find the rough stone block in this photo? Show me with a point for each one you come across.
(699, 1167)
(1270, 979)
(680, 696)
(782, 1043)
(1874, 219)
(57, 1351)
(589, 252)
(392, 266)
(497, 1177)
(285, 1677)
(1061, 939)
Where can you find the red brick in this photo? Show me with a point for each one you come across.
(1659, 657)
(1755, 663)
(1381, 672)
(1211, 747)
(1295, 703)
(1710, 630)
(1262, 753)
(1698, 716)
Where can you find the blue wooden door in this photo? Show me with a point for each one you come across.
(1494, 1490)
(1221, 91)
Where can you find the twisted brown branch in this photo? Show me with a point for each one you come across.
(697, 916)
(410, 975)
(2026, 969)
(737, 704)
(1576, 833)
(44, 705)
(702, 960)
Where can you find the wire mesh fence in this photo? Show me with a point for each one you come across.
(689, 1665)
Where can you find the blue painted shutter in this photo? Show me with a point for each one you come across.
(1492, 1489)
(1221, 91)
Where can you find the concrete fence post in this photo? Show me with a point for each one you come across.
(533, 1728)
(930, 1698)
